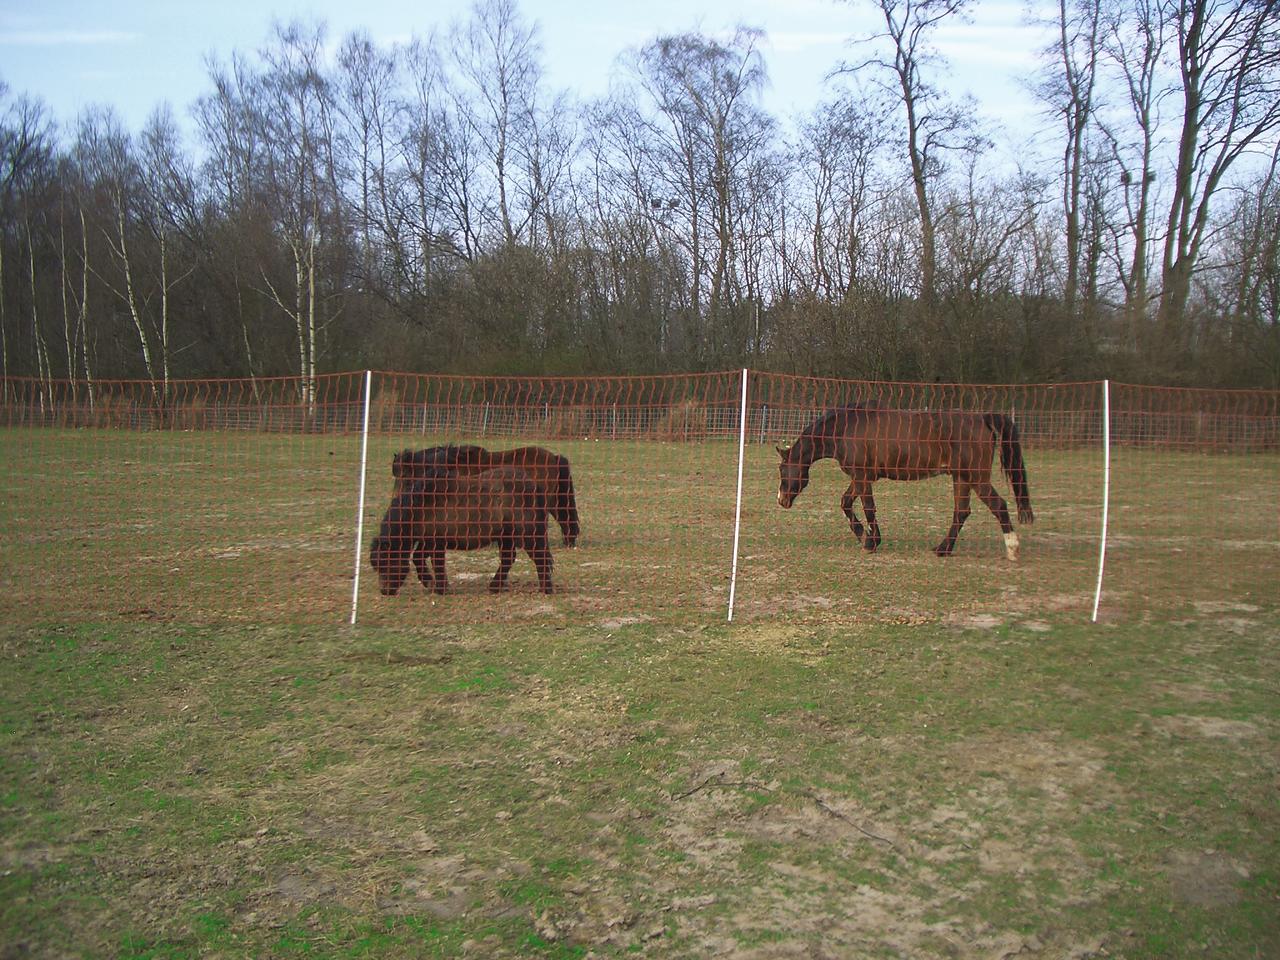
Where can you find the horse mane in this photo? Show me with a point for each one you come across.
(816, 437)
(409, 463)
(820, 426)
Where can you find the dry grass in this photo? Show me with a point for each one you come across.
(207, 527)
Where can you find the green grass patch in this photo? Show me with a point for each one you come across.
(884, 755)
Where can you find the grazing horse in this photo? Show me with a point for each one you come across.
(873, 444)
(447, 510)
(549, 470)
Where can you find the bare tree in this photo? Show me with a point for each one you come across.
(105, 152)
(437, 227)
(74, 262)
(987, 220)
(834, 164)
(296, 113)
(1070, 92)
(1249, 283)
(1132, 42)
(497, 56)
(232, 136)
(1229, 69)
(702, 133)
(168, 214)
(368, 108)
(26, 153)
(934, 125)
(636, 284)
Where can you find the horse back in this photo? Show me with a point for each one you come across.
(471, 510)
(409, 466)
(543, 466)
(910, 444)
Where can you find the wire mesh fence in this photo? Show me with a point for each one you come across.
(240, 499)
(900, 449)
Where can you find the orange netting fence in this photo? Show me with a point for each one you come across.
(241, 499)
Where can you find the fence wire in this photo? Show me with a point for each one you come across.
(235, 499)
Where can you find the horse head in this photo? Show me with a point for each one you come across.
(392, 548)
(793, 474)
(390, 558)
(398, 461)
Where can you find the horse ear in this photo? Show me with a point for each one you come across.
(782, 450)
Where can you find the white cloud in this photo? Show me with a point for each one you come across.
(794, 41)
(1010, 51)
(66, 38)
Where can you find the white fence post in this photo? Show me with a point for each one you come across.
(1106, 491)
(737, 513)
(364, 462)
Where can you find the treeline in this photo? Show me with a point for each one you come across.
(435, 207)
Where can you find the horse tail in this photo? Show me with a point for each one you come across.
(566, 504)
(1011, 462)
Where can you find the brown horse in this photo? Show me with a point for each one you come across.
(549, 470)
(872, 444)
(448, 510)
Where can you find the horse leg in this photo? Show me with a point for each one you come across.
(959, 514)
(541, 557)
(846, 504)
(506, 557)
(1000, 510)
(869, 508)
(441, 581)
(422, 564)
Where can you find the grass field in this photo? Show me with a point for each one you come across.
(201, 527)
(884, 756)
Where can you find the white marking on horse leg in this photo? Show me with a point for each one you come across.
(1011, 544)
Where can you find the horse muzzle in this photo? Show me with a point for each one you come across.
(785, 500)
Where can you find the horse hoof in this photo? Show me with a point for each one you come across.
(942, 550)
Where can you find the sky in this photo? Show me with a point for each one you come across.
(135, 54)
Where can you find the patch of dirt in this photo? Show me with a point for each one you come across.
(304, 889)
(403, 659)
(597, 918)
(1065, 778)
(1210, 607)
(797, 640)
(977, 621)
(444, 887)
(815, 816)
(1060, 772)
(690, 832)
(390, 873)
(617, 623)
(1189, 692)
(1240, 626)
(1205, 878)
(722, 816)
(1216, 728)
(1044, 603)
(29, 856)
